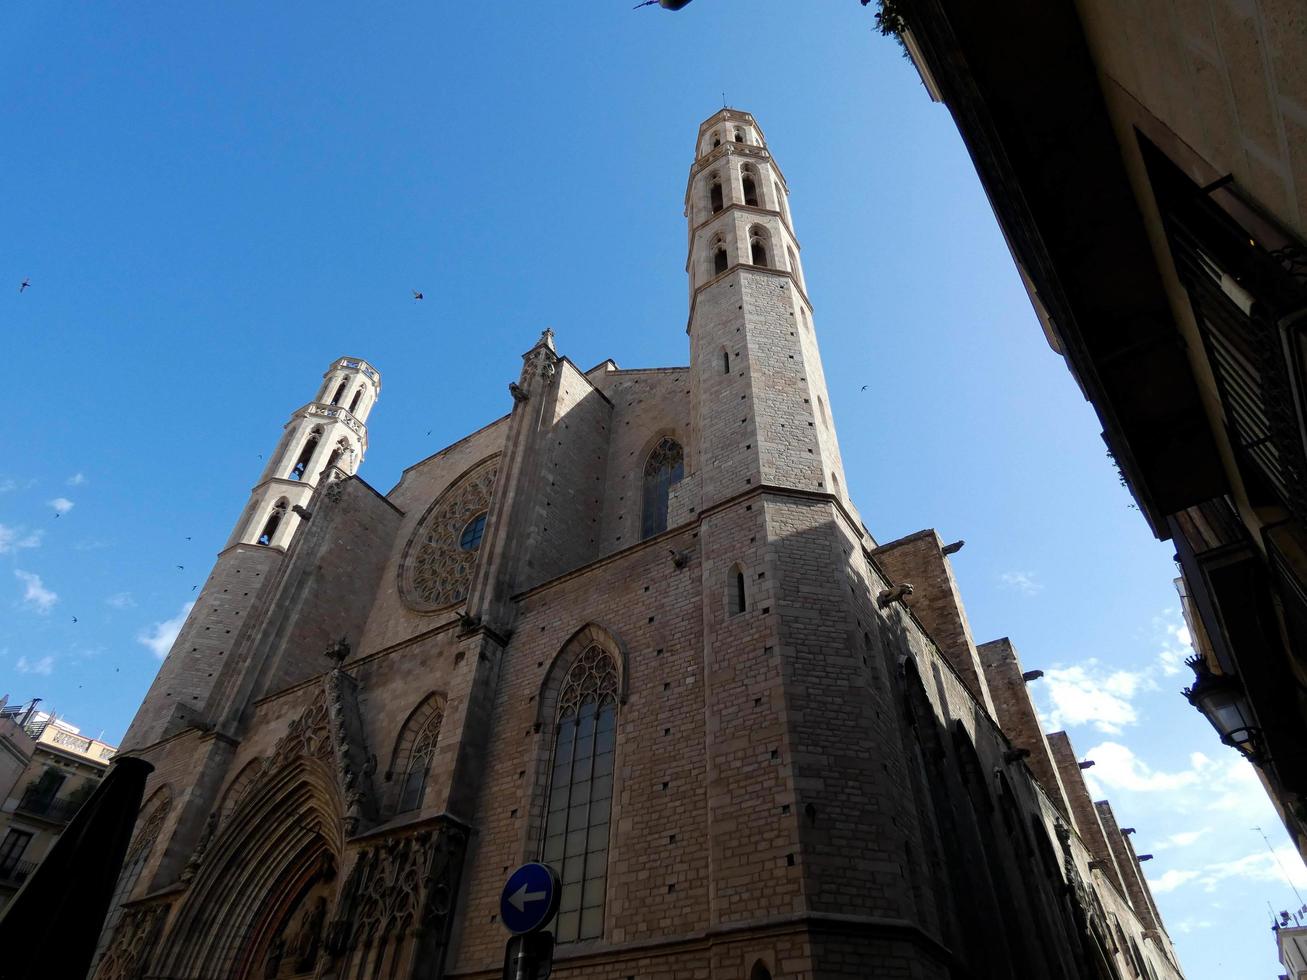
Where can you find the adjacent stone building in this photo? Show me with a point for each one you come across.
(1147, 163)
(49, 769)
(636, 629)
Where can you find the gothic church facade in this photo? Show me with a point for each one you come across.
(635, 629)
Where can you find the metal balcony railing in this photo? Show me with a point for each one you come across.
(15, 872)
(57, 809)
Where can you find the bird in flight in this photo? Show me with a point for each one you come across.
(24, 284)
(194, 587)
(182, 567)
(188, 538)
(74, 619)
(416, 294)
(428, 432)
(864, 387)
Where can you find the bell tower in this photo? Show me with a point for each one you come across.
(323, 441)
(758, 393)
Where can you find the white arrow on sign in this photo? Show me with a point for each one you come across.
(520, 897)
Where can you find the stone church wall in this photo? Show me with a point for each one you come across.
(390, 620)
(656, 884)
(567, 495)
(647, 405)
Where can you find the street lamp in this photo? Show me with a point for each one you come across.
(1221, 699)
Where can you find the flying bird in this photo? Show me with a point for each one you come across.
(74, 619)
(428, 432)
(194, 587)
(416, 294)
(864, 387)
(24, 284)
(182, 567)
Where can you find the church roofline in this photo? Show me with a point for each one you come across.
(618, 370)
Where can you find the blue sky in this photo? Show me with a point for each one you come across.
(213, 201)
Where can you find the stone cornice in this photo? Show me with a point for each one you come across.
(692, 525)
(727, 150)
(751, 209)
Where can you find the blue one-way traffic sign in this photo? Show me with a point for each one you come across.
(529, 899)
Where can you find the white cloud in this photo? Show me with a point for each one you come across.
(13, 538)
(1023, 582)
(1090, 694)
(1170, 881)
(61, 505)
(35, 593)
(1176, 643)
(76, 480)
(160, 636)
(1117, 767)
(121, 600)
(1283, 866)
(43, 666)
(1182, 839)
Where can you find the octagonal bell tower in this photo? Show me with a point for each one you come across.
(323, 441)
(758, 391)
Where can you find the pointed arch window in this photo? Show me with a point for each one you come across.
(749, 184)
(340, 392)
(738, 598)
(581, 792)
(138, 852)
(715, 194)
(664, 467)
(719, 259)
(416, 749)
(354, 402)
(758, 246)
(306, 455)
(274, 521)
(760, 971)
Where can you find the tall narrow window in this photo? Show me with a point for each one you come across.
(716, 140)
(760, 971)
(340, 393)
(794, 262)
(581, 793)
(302, 464)
(354, 402)
(758, 251)
(750, 190)
(11, 852)
(715, 194)
(739, 136)
(274, 521)
(664, 467)
(719, 260)
(137, 854)
(726, 362)
(739, 602)
(414, 785)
